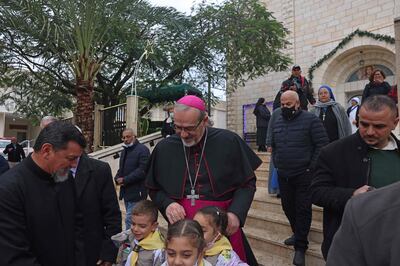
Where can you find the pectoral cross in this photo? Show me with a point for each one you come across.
(193, 197)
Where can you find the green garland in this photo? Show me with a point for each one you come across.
(378, 37)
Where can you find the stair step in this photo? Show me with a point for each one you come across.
(265, 259)
(262, 173)
(267, 202)
(262, 182)
(264, 156)
(277, 222)
(263, 167)
(271, 244)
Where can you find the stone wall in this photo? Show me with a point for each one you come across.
(316, 27)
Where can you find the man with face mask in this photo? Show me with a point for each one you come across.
(202, 166)
(297, 138)
(168, 124)
(131, 173)
(37, 207)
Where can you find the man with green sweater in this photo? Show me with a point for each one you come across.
(367, 160)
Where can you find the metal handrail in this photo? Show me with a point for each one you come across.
(147, 140)
(114, 106)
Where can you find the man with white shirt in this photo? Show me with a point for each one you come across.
(97, 213)
(356, 164)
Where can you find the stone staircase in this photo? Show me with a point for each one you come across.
(267, 226)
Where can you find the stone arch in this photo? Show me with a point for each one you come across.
(337, 68)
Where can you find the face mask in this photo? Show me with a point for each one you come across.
(288, 113)
(127, 145)
(210, 244)
(171, 115)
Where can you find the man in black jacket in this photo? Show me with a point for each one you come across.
(97, 213)
(368, 159)
(15, 152)
(297, 138)
(37, 207)
(4, 166)
(298, 83)
(131, 173)
(369, 234)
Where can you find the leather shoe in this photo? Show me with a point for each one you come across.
(299, 258)
(290, 241)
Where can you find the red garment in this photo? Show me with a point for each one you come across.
(393, 93)
(235, 239)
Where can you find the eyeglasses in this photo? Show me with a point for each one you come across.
(187, 129)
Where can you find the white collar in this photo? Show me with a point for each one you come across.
(390, 146)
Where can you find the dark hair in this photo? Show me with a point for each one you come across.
(146, 207)
(377, 103)
(219, 218)
(259, 102)
(187, 228)
(371, 77)
(58, 134)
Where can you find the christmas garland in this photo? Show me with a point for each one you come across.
(378, 37)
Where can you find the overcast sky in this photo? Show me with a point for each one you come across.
(180, 5)
(185, 6)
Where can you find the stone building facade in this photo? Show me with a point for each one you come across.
(318, 27)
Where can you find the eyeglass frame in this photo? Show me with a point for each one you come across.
(190, 129)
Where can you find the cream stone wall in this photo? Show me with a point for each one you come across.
(317, 27)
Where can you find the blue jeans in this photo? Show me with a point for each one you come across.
(128, 219)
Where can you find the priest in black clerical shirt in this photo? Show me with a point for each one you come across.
(203, 166)
(37, 201)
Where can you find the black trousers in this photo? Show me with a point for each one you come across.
(296, 203)
(261, 136)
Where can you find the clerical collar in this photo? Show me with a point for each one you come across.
(390, 146)
(199, 145)
(30, 163)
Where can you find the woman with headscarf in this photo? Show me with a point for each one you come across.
(377, 85)
(332, 114)
(262, 118)
(352, 112)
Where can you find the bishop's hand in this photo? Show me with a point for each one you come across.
(175, 212)
(233, 223)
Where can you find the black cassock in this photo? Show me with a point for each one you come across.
(36, 218)
(226, 173)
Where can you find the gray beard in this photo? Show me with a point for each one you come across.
(191, 144)
(61, 175)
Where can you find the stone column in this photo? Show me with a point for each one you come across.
(397, 44)
(97, 127)
(397, 51)
(2, 124)
(132, 113)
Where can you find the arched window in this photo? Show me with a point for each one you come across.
(364, 72)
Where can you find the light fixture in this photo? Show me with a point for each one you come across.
(361, 62)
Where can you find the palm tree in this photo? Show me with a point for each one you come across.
(73, 31)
